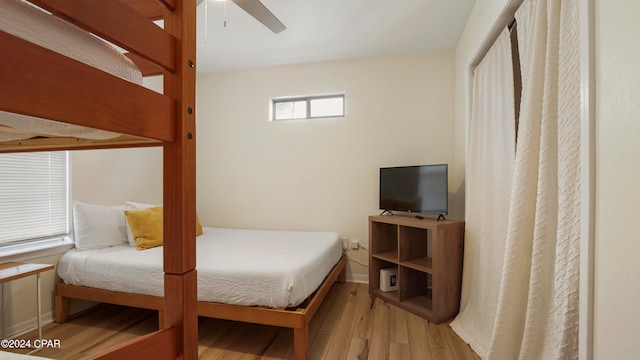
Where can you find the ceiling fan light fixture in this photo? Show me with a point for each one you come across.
(260, 12)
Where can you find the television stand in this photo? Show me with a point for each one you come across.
(441, 216)
(386, 211)
(427, 258)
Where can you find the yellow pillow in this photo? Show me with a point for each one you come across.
(146, 226)
(198, 226)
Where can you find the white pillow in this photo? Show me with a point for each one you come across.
(98, 226)
(130, 205)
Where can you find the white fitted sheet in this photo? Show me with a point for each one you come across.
(5, 355)
(36, 26)
(277, 269)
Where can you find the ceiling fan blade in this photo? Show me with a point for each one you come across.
(256, 9)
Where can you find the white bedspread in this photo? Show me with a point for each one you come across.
(5, 355)
(243, 267)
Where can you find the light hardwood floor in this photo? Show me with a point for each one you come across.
(348, 325)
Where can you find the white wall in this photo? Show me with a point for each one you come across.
(617, 272)
(318, 174)
(114, 176)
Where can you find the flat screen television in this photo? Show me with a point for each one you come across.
(420, 189)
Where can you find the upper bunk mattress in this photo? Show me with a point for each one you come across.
(34, 25)
(277, 269)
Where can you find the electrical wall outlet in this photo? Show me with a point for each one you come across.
(345, 242)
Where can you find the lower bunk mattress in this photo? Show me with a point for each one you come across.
(277, 269)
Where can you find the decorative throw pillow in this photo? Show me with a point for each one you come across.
(198, 226)
(98, 226)
(131, 206)
(146, 227)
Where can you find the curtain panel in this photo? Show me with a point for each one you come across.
(536, 308)
(491, 155)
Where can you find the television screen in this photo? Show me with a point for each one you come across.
(422, 189)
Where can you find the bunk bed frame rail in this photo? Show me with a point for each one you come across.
(297, 319)
(38, 82)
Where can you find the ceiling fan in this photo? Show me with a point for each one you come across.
(260, 12)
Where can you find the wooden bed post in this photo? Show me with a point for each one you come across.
(62, 306)
(179, 166)
(300, 342)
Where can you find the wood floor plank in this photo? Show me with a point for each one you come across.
(379, 342)
(398, 325)
(358, 349)
(319, 346)
(331, 320)
(349, 325)
(438, 342)
(255, 343)
(365, 314)
(459, 349)
(342, 333)
(321, 314)
(210, 331)
(225, 347)
(281, 347)
(419, 347)
(398, 351)
(336, 308)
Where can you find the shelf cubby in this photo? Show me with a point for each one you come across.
(428, 257)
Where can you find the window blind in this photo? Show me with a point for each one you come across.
(34, 196)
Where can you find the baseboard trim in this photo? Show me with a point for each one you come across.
(21, 328)
(358, 278)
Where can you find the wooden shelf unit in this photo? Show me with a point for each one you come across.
(424, 252)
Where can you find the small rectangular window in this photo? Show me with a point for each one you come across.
(307, 107)
(287, 110)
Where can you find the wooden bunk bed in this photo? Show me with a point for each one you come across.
(37, 82)
(41, 83)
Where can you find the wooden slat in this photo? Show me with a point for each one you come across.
(65, 143)
(336, 272)
(170, 4)
(134, 31)
(41, 83)
(151, 9)
(146, 67)
(8, 129)
(161, 344)
(258, 315)
(108, 296)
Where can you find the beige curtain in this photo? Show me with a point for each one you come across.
(536, 314)
(538, 305)
(491, 154)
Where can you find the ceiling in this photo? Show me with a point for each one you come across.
(322, 30)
